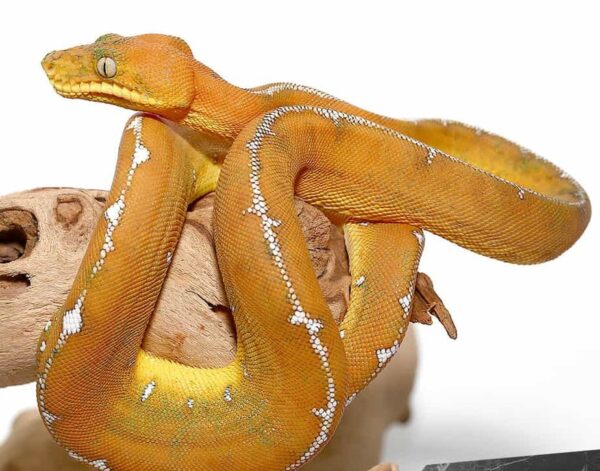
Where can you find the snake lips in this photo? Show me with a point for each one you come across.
(386, 181)
(102, 91)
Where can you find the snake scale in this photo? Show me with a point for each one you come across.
(116, 407)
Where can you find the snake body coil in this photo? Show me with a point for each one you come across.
(114, 406)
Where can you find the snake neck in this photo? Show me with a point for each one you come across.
(219, 111)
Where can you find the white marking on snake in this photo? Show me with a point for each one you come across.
(73, 318)
(384, 354)
(299, 316)
(260, 208)
(98, 464)
(148, 390)
(351, 397)
(227, 394)
(280, 87)
(420, 237)
(431, 155)
(579, 193)
(406, 302)
(48, 418)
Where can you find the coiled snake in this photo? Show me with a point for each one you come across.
(115, 407)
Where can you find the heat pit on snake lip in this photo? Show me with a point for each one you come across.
(18, 234)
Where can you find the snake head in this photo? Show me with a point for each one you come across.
(152, 73)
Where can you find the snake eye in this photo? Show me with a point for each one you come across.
(106, 67)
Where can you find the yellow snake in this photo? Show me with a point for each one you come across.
(116, 407)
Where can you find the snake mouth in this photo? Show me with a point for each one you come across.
(103, 91)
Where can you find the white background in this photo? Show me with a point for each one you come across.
(523, 376)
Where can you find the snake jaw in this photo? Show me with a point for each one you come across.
(106, 93)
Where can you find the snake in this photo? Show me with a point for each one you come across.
(383, 181)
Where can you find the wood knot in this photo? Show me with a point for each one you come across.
(18, 234)
(68, 210)
(13, 285)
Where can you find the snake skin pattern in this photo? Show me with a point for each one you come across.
(116, 407)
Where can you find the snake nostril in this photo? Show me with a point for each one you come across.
(49, 60)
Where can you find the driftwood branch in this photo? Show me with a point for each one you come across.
(43, 235)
